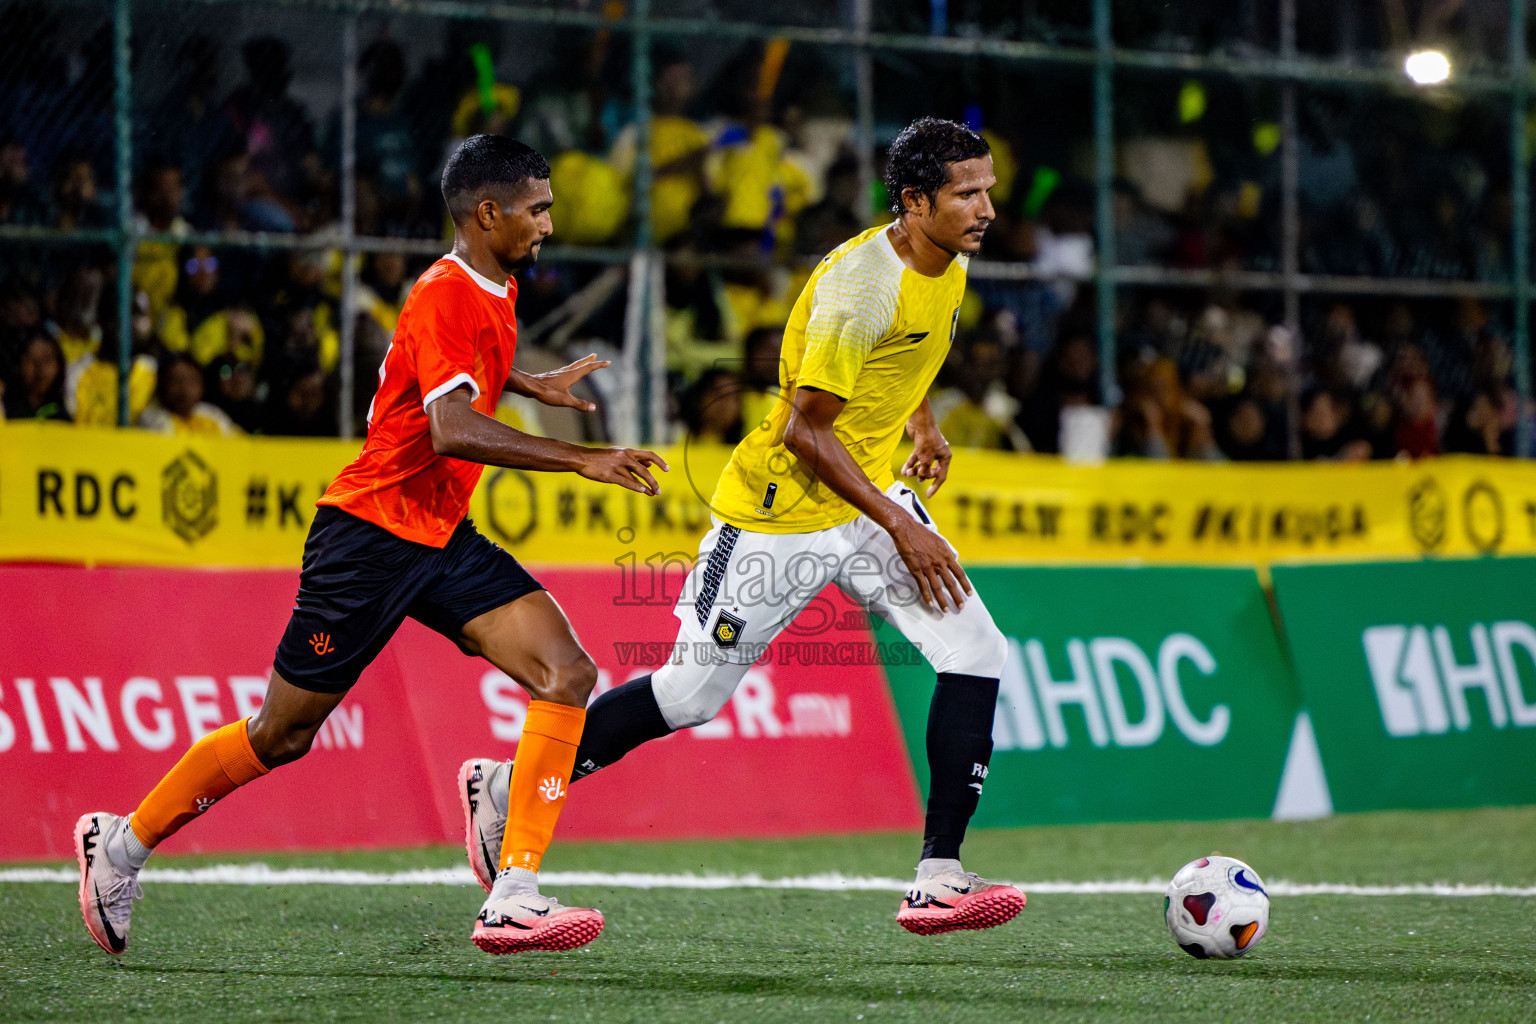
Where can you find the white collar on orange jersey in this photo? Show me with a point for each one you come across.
(500, 291)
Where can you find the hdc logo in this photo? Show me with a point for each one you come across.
(1421, 684)
(1093, 686)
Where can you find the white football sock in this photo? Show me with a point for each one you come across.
(124, 849)
(514, 882)
(936, 866)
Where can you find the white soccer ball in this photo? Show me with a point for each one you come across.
(1217, 908)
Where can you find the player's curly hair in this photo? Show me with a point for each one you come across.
(484, 162)
(921, 155)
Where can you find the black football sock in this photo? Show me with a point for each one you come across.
(618, 722)
(959, 750)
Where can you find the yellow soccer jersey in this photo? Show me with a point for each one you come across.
(870, 330)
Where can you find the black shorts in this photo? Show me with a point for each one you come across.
(360, 581)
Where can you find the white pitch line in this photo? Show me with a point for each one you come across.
(261, 874)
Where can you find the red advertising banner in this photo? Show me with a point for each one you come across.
(108, 674)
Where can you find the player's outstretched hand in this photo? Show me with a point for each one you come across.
(627, 467)
(929, 459)
(933, 564)
(554, 387)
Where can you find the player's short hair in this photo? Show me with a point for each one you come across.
(486, 162)
(921, 155)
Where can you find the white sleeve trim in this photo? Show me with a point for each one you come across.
(447, 386)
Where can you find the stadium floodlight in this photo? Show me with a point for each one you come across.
(1427, 67)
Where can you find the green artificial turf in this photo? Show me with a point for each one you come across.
(380, 953)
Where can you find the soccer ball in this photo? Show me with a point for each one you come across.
(1217, 908)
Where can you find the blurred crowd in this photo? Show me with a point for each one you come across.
(1212, 378)
(755, 177)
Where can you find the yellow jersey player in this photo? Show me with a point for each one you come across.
(809, 499)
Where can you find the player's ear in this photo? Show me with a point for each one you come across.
(485, 214)
(914, 201)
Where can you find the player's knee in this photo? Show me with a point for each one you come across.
(996, 650)
(695, 710)
(569, 684)
(280, 743)
(689, 714)
(980, 652)
(684, 700)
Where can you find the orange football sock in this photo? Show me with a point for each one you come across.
(213, 768)
(540, 774)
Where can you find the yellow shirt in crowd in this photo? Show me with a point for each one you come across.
(90, 389)
(211, 338)
(204, 420)
(673, 193)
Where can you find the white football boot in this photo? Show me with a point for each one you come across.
(515, 918)
(484, 825)
(954, 900)
(107, 889)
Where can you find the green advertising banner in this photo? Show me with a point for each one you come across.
(1129, 694)
(1420, 678)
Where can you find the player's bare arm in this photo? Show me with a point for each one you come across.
(497, 234)
(931, 455)
(460, 431)
(554, 387)
(811, 439)
(933, 229)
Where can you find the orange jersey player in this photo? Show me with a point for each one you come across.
(391, 539)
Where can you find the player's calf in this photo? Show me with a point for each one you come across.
(282, 738)
(618, 721)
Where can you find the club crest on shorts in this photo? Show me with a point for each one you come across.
(727, 631)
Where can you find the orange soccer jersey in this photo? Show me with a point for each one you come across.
(457, 328)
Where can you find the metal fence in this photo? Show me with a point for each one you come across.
(1086, 46)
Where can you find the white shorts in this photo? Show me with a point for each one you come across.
(747, 587)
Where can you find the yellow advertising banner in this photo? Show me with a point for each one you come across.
(73, 495)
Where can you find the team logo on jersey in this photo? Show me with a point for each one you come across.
(727, 632)
(954, 325)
